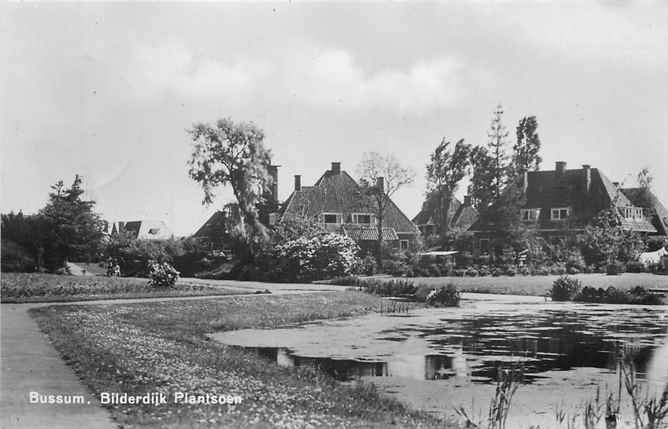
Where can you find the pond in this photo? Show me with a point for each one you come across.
(439, 359)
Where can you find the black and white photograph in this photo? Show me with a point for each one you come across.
(326, 214)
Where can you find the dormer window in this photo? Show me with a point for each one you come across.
(560, 213)
(529, 215)
(361, 218)
(632, 213)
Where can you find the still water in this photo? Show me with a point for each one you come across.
(438, 359)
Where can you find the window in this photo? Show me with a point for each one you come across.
(484, 245)
(403, 244)
(632, 213)
(560, 213)
(330, 218)
(529, 215)
(363, 218)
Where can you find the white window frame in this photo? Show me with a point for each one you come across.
(532, 215)
(406, 246)
(558, 210)
(354, 217)
(633, 213)
(338, 218)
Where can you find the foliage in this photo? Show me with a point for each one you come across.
(380, 176)
(75, 230)
(444, 296)
(234, 154)
(162, 274)
(295, 227)
(604, 241)
(612, 295)
(565, 289)
(497, 149)
(135, 256)
(446, 168)
(320, 257)
(34, 287)
(482, 174)
(526, 150)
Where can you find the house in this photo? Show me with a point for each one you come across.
(460, 215)
(214, 232)
(336, 201)
(143, 229)
(656, 212)
(562, 201)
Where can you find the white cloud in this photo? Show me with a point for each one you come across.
(174, 67)
(333, 78)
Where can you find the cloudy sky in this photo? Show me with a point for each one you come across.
(109, 90)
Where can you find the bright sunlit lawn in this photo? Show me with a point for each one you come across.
(24, 287)
(163, 347)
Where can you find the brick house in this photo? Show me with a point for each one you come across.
(336, 201)
(563, 201)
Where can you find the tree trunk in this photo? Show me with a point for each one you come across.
(379, 257)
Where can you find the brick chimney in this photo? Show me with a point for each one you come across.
(380, 184)
(336, 168)
(559, 168)
(586, 168)
(467, 200)
(298, 182)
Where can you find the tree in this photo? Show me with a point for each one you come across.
(526, 149)
(447, 167)
(482, 174)
(497, 149)
(380, 177)
(605, 241)
(233, 154)
(76, 231)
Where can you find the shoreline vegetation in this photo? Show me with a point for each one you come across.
(17, 288)
(163, 347)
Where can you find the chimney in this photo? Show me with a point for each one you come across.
(298, 182)
(380, 184)
(336, 168)
(615, 184)
(587, 176)
(560, 167)
(467, 200)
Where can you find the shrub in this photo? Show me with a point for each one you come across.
(459, 272)
(572, 270)
(484, 271)
(635, 267)
(510, 270)
(541, 271)
(565, 288)
(444, 296)
(471, 272)
(434, 270)
(319, 257)
(162, 275)
(496, 272)
(524, 270)
(368, 265)
(611, 295)
(558, 269)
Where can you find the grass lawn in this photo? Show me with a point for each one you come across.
(23, 287)
(541, 285)
(163, 347)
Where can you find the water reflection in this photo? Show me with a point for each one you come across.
(469, 345)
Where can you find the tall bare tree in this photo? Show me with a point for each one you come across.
(380, 177)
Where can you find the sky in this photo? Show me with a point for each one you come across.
(109, 91)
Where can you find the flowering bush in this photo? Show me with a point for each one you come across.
(319, 257)
(162, 275)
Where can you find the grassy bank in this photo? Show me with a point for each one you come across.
(23, 287)
(163, 347)
(541, 285)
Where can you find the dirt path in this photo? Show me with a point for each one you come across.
(30, 363)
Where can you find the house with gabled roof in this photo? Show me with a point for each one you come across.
(143, 229)
(336, 201)
(562, 201)
(460, 216)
